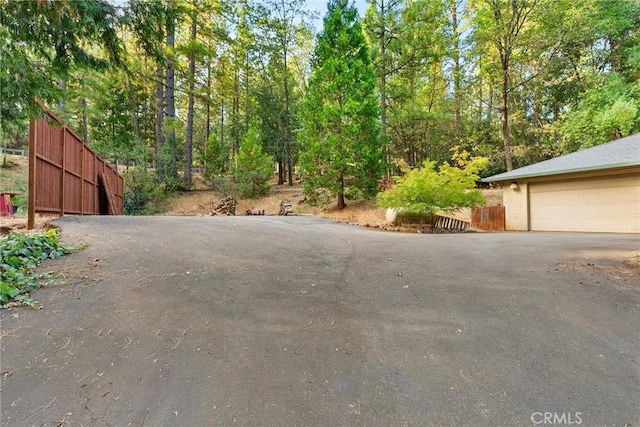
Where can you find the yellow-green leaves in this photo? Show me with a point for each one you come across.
(429, 190)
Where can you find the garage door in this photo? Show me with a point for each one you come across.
(609, 204)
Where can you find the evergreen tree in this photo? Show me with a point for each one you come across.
(342, 152)
(253, 169)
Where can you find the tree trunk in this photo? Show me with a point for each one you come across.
(208, 106)
(189, 136)
(287, 123)
(160, 166)
(225, 160)
(171, 100)
(4, 157)
(504, 112)
(222, 135)
(85, 125)
(62, 104)
(235, 108)
(383, 90)
(456, 67)
(134, 115)
(280, 172)
(341, 202)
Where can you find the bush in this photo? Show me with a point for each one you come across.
(427, 191)
(19, 256)
(253, 170)
(142, 192)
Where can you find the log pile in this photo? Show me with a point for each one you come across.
(226, 206)
(286, 208)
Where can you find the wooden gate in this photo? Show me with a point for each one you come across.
(489, 218)
(66, 176)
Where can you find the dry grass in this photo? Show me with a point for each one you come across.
(19, 223)
(362, 212)
(17, 165)
(202, 200)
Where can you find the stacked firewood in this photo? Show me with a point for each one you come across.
(226, 206)
(286, 208)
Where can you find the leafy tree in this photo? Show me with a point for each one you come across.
(215, 157)
(342, 153)
(253, 169)
(190, 106)
(605, 113)
(427, 190)
(287, 25)
(271, 110)
(382, 28)
(154, 23)
(42, 42)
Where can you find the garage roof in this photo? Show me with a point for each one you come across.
(619, 153)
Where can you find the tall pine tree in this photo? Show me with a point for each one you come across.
(342, 150)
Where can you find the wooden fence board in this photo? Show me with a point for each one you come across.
(64, 173)
(489, 218)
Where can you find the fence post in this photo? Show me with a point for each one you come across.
(96, 199)
(63, 169)
(82, 177)
(31, 214)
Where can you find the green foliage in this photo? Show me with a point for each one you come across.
(569, 70)
(142, 193)
(341, 148)
(214, 158)
(42, 41)
(253, 166)
(19, 256)
(426, 190)
(604, 114)
(110, 120)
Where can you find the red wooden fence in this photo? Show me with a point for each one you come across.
(66, 176)
(490, 218)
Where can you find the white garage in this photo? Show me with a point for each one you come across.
(595, 204)
(594, 190)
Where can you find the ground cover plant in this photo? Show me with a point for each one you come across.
(20, 254)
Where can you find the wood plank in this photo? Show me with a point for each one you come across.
(106, 182)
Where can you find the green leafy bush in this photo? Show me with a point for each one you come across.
(141, 191)
(427, 191)
(253, 170)
(19, 256)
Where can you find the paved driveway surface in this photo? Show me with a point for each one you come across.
(299, 321)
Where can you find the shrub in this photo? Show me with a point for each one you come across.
(141, 191)
(253, 170)
(19, 256)
(427, 191)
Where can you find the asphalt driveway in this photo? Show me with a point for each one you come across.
(297, 321)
